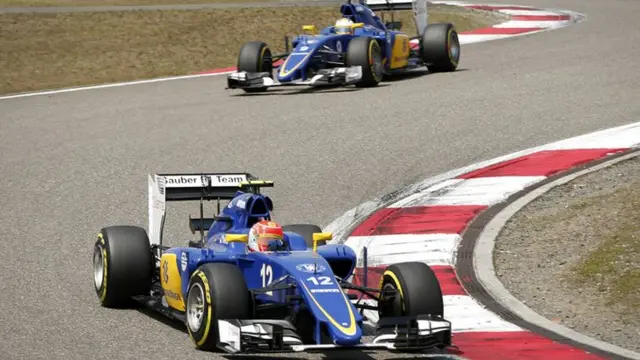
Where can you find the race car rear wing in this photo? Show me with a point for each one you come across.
(192, 187)
(419, 8)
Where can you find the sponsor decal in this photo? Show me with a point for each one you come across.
(241, 204)
(197, 180)
(304, 48)
(338, 46)
(227, 179)
(165, 272)
(325, 291)
(183, 261)
(181, 180)
(310, 268)
(172, 295)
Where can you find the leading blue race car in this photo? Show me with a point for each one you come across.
(292, 297)
(359, 50)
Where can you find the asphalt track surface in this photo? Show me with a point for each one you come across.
(74, 162)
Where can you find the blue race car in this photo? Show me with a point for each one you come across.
(292, 297)
(359, 49)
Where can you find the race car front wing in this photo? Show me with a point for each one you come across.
(396, 334)
(258, 80)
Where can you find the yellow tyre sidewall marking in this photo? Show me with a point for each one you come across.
(103, 291)
(207, 295)
(261, 59)
(393, 277)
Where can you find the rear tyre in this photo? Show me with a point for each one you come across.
(440, 47)
(306, 231)
(417, 291)
(122, 265)
(366, 53)
(216, 291)
(255, 56)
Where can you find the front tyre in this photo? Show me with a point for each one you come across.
(216, 291)
(366, 53)
(122, 265)
(255, 57)
(415, 289)
(440, 47)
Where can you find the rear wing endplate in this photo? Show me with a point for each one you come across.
(419, 8)
(192, 187)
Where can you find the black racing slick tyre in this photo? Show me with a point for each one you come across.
(122, 265)
(254, 57)
(306, 231)
(216, 291)
(366, 52)
(440, 47)
(417, 291)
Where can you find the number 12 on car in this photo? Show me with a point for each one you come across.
(320, 280)
(266, 273)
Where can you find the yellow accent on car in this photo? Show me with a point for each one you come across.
(256, 182)
(171, 282)
(236, 238)
(284, 72)
(326, 236)
(310, 29)
(400, 52)
(351, 329)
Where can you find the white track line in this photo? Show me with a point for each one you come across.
(111, 85)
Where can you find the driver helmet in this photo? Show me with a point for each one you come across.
(263, 233)
(343, 26)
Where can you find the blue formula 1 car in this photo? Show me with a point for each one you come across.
(360, 49)
(292, 297)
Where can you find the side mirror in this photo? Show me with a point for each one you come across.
(244, 238)
(357, 25)
(310, 29)
(317, 237)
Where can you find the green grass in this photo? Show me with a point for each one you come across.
(44, 51)
(615, 265)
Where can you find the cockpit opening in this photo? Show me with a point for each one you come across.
(259, 209)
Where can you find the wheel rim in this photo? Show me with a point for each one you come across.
(394, 307)
(376, 58)
(195, 307)
(266, 62)
(454, 47)
(98, 268)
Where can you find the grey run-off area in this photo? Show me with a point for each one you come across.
(537, 251)
(74, 162)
